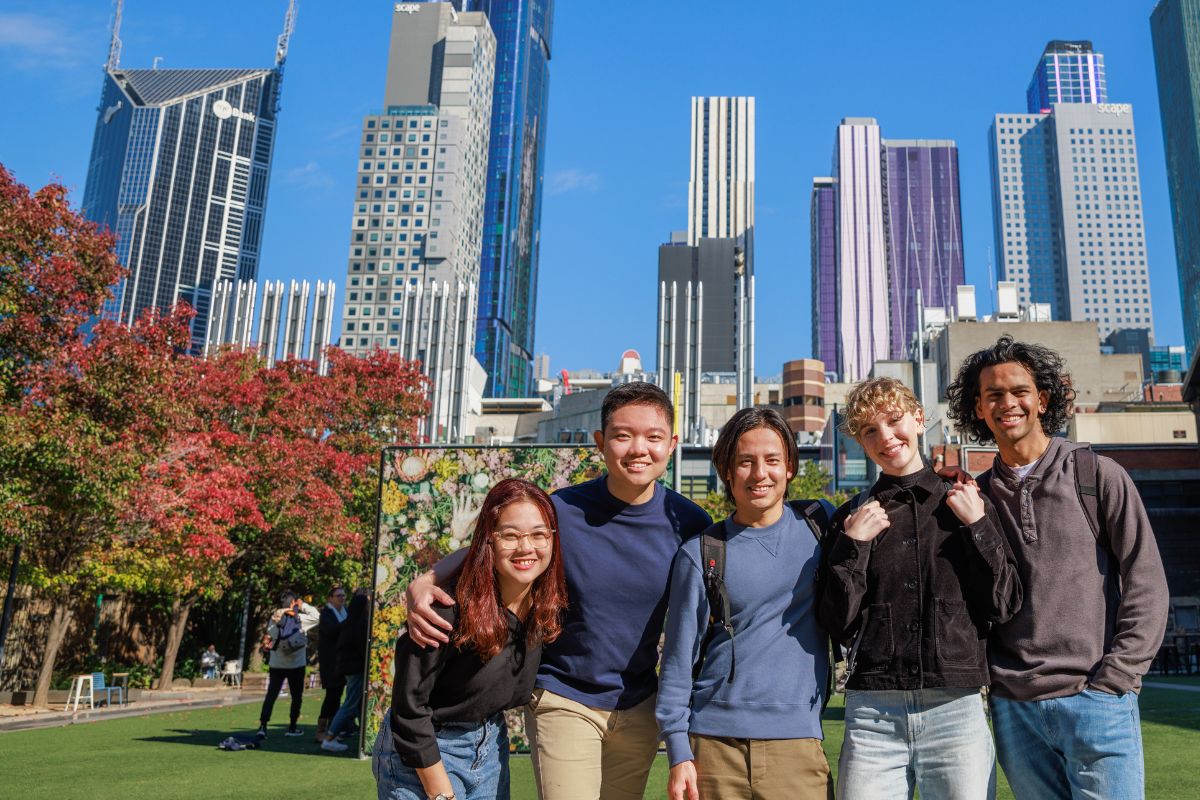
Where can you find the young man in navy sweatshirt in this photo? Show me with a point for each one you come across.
(591, 719)
(749, 726)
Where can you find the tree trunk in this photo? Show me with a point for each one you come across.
(60, 621)
(179, 617)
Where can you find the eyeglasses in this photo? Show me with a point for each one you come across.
(510, 540)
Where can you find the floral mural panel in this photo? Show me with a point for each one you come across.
(429, 499)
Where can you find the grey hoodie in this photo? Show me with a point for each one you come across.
(1085, 621)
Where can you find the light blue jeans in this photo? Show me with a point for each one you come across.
(350, 706)
(934, 740)
(1086, 745)
(475, 758)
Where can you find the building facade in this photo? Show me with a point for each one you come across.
(1175, 29)
(293, 323)
(1068, 72)
(417, 227)
(179, 170)
(803, 395)
(924, 224)
(721, 183)
(823, 245)
(862, 276)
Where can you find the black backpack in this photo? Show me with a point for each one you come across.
(816, 513)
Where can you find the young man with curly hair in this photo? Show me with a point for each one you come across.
(1066, 669)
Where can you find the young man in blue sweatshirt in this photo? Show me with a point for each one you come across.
(749, 726)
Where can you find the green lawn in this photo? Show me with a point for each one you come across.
(174, 756)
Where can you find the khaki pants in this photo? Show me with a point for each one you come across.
(584, 753)
(761, 769)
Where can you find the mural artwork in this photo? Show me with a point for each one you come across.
(429, 498)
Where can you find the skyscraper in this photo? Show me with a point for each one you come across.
(1175, 29)
(862, 276)
(1067, 212)
(924, 224)
(823, 242)
(1068, 72)
(181, 160)
(513, 207)
(417, 227)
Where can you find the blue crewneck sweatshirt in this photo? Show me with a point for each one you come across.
(617, 559)
(770, 575)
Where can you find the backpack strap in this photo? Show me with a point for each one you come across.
(818, 513)
(712, 556)
(1087, 485)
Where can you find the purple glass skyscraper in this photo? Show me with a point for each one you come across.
(1068, 72)
(823, 219)
(924, 231)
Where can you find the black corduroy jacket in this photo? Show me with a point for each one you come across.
(923, 594)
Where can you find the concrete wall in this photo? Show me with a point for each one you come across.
(1149, 427)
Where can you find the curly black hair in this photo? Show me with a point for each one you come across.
(1049, 373)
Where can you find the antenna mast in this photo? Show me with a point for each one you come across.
(114, 47)
(289, 25)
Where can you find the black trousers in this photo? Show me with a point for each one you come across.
(275, 679)
(333, 697)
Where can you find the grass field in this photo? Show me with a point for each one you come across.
(174, 757)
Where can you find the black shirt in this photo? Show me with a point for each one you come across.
(447, 684)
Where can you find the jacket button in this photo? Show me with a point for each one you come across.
(910, 542)
(914, 626)
(913, 669)
(910, 584)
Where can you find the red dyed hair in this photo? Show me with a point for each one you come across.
(482, 623)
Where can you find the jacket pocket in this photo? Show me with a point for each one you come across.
(957, 639)
(876, 648)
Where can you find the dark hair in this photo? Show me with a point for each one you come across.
(1049, 373)
(335, 588)
(482, 624)
(287, 597)
(634, 393)
(744, 421)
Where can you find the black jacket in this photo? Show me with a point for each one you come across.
(926, 589)
(352, 644)
(328, 631)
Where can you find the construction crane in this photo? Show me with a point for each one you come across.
(289, 25)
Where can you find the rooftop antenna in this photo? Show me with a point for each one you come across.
(114, 47)
(156, 62)
(289, 25)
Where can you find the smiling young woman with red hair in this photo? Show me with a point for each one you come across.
(445, 736)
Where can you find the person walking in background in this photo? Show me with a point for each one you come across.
(351, 669)
(210, 662)
(740, 707)
(1066, 670)
(333, 616)
(444, 737)
(917, 571)
(287, 655)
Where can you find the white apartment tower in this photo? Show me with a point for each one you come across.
(416, 232)
(1067, 213)
(862, 259)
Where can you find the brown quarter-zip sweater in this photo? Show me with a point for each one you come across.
(1085, 621)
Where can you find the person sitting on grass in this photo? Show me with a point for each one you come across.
(445, 737)
(917, 572)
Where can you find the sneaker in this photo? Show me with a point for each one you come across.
(261, 733)
(334, 746)
(294, 731)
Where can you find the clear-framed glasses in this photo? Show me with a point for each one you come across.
(510, 540)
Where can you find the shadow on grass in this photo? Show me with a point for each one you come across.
(274, 743)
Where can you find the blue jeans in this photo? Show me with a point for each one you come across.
(350, 706)
(475, 757)
(1086, 745)
(934, 740)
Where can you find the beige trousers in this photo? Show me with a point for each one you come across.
(584, 753)
(761, 769)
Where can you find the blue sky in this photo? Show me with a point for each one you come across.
(622, 73)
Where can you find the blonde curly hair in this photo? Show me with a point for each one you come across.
(874, 395)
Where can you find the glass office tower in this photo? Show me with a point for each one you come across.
(512, 213)
(1068, 72)
(180, 163)
(1175, 29)
(924, 231)
(823, 241)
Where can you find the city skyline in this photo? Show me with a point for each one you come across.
(595, 182)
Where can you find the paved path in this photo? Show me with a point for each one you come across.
(1182, 687)
(58, 719)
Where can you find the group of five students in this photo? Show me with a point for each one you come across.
(1042, 579)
